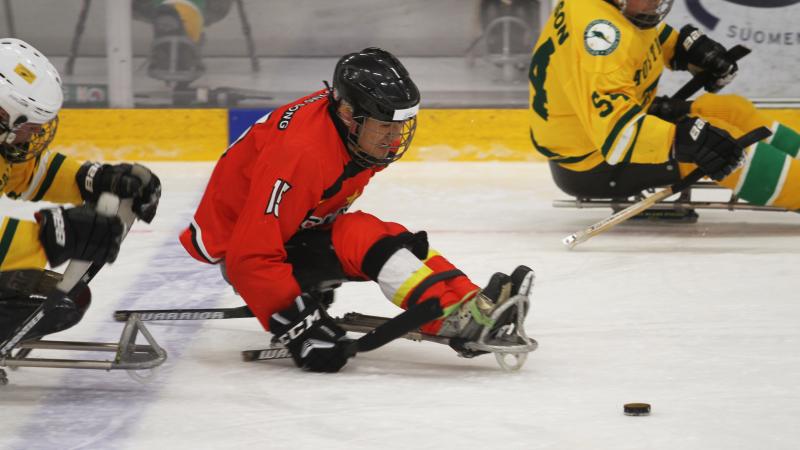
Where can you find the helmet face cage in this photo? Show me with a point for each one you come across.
(24, 141)
(369, 138)
(383, 100)
(650, 16)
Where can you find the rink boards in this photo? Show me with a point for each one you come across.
(203, 134)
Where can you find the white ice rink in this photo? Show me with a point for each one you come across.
(702, 321)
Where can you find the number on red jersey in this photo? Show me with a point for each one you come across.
(275, 198)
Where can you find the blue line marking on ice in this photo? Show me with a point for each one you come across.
(93, 409)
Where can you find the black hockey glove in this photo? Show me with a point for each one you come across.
(697, 53)
(316, 343)
(79, 233)
(123, 180)
(669, 109)
(714, 151)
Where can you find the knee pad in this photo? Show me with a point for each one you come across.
(406, 270)
(383, 249)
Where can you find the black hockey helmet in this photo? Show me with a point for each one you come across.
(377, 87)
(651, 14)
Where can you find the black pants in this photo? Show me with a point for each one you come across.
(315, 265)
(21, 292)
(605, 181)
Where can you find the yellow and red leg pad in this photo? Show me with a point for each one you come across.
(404, 266)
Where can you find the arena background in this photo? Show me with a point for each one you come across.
(700, 320)
(469, 58)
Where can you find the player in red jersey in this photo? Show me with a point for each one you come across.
(274, 215)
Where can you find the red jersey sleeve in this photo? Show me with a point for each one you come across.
(285, 185)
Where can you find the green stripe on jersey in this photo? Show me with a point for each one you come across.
(618, 127)
(632, 146)
(786, 139)
(664, 34)
(49, 177)
(8, 236)
(553, 156)
(763, 174)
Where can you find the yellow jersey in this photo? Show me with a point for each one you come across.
(593, 75)
(50, 177)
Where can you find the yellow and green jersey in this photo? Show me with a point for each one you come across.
(50, 177)
(593, 75)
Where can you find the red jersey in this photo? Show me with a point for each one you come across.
(289, 171)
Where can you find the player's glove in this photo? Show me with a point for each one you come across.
(697, 53)
(669, 109)
(79, 233)
(714, 151)
(123, 180)
(316, 343)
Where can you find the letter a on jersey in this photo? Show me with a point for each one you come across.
(280, 188)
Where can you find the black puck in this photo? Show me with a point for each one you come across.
(636, 409)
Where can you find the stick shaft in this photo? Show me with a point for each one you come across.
(146, 315)
(77, 270)
(615, 219)
(692, 86)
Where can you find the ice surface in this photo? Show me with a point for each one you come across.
(701, 321)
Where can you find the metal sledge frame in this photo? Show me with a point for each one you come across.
(128, 354)
(362, 323)
(682, 203)
(510, 358)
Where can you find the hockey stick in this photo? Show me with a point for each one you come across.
(735, 53)
(385, 332)
(615, 219)
(391, 329)
(350, 322)
(690, 88)
(77, 270)
(397, 326)
(184, 314)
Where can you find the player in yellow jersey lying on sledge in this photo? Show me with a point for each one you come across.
(595, 114)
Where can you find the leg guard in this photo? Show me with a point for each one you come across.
(769, 177)
(22, 291)
(771, 173)
(407, 270)
(785, 139)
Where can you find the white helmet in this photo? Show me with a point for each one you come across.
(30, 98)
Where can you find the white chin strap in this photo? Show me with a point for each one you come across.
(8, 137)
